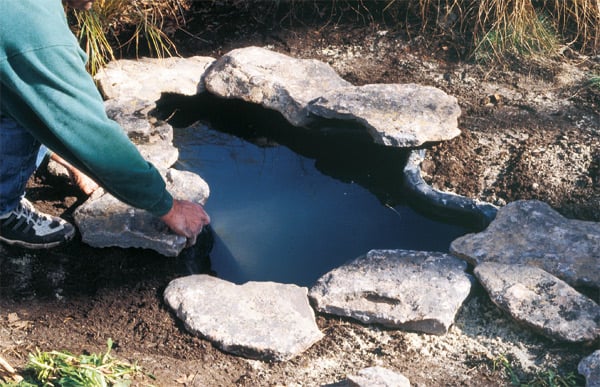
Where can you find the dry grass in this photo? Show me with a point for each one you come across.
(481, 29)
(128, 25)
(494, 28)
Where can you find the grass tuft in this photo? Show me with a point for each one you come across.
(547, 378)
(64, 369)
(125, 24)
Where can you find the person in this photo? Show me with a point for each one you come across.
(47, 97)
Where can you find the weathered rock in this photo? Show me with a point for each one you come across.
(590, 369)
(540, 300)
(532, 233)
(412, 290)
(263, 320)
(273, 80)
(134, 117)
(377, 377)
(399, 115)
(146, 79)
(162, 155)
(105, 221)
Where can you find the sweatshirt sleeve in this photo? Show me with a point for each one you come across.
(48, 91)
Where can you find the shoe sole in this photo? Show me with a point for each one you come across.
(36, 246)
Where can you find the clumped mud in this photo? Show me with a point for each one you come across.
(529, 131)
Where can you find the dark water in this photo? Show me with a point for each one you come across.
(288, 206)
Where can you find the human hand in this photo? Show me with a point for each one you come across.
(80, 4)
(186, 219)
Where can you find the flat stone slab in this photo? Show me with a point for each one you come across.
(377, 377)
(532, 233)
(399, 115)
(105, 221)
(411, 290)
(273, 80)
(589, 367)
(147, 78)
(542, 301)
(260, 320)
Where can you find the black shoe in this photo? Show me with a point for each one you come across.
(26, 227)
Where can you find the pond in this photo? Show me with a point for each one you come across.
(288, 205)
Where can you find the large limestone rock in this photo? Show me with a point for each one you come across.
(590, 369)
(541, 301)
(273, 80)
(105, 221)
(263, 320)
(412, 290)
(400, 115)
(147, 78)
(532, 233)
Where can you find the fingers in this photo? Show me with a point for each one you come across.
(186, 219)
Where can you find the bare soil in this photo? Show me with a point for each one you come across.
(530, 130)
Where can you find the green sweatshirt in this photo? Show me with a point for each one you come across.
(45, 88)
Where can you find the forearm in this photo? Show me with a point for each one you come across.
(65, 111)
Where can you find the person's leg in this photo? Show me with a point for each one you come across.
(20, 223)
(18, 153)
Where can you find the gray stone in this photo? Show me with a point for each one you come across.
(273, 80)
(162, 155)
(589, 367)
(412, 290)
(377, 377)
(532, 233)
(134, 117)
(540, 300)
(146, 79)
(58, 170)
(105, 221)
(399, 115)
(262, 320)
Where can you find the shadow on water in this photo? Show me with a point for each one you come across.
(342, 151)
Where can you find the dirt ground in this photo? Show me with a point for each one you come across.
(529, 131)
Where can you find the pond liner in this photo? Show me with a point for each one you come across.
(442, 203)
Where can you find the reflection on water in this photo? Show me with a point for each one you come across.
(290, 217)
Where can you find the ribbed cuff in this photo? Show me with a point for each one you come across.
(163, 205)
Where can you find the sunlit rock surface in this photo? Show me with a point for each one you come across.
(589, 367)
(273, 80)
(542, 301)
(410, 290)
(146, 78)
(105, 221)
(400, 115)
(377, 377)
(261, 320)
(532, 233)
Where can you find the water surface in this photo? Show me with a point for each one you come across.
(278, 215)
